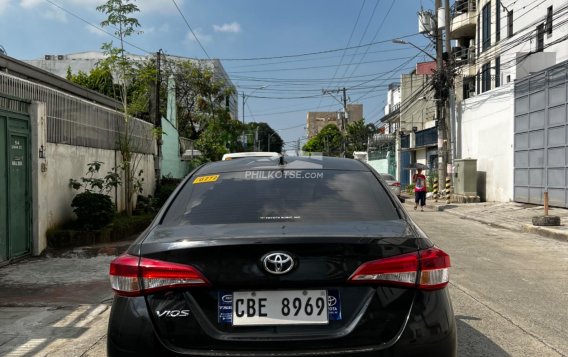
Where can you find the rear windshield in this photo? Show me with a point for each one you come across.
(388, 177)
(312, 196)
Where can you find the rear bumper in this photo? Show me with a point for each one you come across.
(430, 331)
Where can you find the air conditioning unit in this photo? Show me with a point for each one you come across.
(60, 57)
(48, 57)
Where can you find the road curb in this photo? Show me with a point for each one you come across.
(546, 232)
(523, 227)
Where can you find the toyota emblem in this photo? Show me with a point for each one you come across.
(278, 263)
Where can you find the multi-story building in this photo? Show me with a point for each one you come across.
(315, 121)
(412, 119)
(512, 56)
(86, 61)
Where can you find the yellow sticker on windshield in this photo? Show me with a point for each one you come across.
(204, 179)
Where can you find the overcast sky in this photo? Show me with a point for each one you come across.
(282, 53)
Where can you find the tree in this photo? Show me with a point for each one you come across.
(100, 79)
(327, 141)
(357, 135)
(119, 19)
(201, 96)
(202, 113)
(263, 132)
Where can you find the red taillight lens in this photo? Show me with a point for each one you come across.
(133, 276)
(397, 184)
(435, 269)
(402, 270)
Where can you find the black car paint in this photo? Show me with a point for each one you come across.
(437, 340)
(409, 339)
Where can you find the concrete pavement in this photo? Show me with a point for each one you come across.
(58, 304)
(508, 215)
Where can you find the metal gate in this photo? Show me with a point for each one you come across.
(541, 137)
(15, 179)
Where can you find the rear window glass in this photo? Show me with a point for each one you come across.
(313, 196)
(388, 177)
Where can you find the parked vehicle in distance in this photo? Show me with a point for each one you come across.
(394, 185)
(240, 155)
(287, 256)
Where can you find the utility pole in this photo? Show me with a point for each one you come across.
(450, 104)
(344, 115)
(157, 119)
(442, 164)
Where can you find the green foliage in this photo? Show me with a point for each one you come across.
(265, 133)
(99, 79)
(94, 210)
(202, 114)
(358, 134)
(167, 186)
(118, 19)
(93, 206)
(94, 184)
(328, 141)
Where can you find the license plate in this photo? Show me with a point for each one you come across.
(291, 307)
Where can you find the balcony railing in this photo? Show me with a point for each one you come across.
(427, 137)
(463, 6)
(463, 55)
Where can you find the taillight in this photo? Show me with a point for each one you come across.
(427, 269)
(134, 276)
(397, 184)
(435, 269)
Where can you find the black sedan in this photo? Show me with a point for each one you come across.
(282, 257)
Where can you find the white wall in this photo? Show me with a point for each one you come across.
(487, 127)
(527, 14)
(50, 177)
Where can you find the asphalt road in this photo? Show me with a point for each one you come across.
(509, 290)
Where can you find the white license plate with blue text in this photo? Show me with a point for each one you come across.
(290, 307)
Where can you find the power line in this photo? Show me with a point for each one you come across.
(190, 29)
(343, 54)
(95, 26)
(374, 37)
(309, 53)
(364, 32)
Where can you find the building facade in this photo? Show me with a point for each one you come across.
(315, 121)
(86, 61)
(500, 43)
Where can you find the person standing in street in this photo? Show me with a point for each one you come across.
(419, 181)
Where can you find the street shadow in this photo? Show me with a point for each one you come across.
(33, 336)
(473, 343)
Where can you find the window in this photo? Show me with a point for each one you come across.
(509, 23)
(497, 72)
(281, 195)
(549, 20)
(478, 35)
(486, 26)
(497, 20)
(486, 77)
(478, 83)
(540, 38)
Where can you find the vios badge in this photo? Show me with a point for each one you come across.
(278, 263)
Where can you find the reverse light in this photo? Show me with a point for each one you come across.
(427, 269)
(135, 276)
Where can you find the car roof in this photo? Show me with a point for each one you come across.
(239, 155)
(290, 163)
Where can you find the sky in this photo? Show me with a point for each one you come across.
(281, 54)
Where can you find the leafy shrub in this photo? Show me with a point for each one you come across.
(93, 210)
(163, 194)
